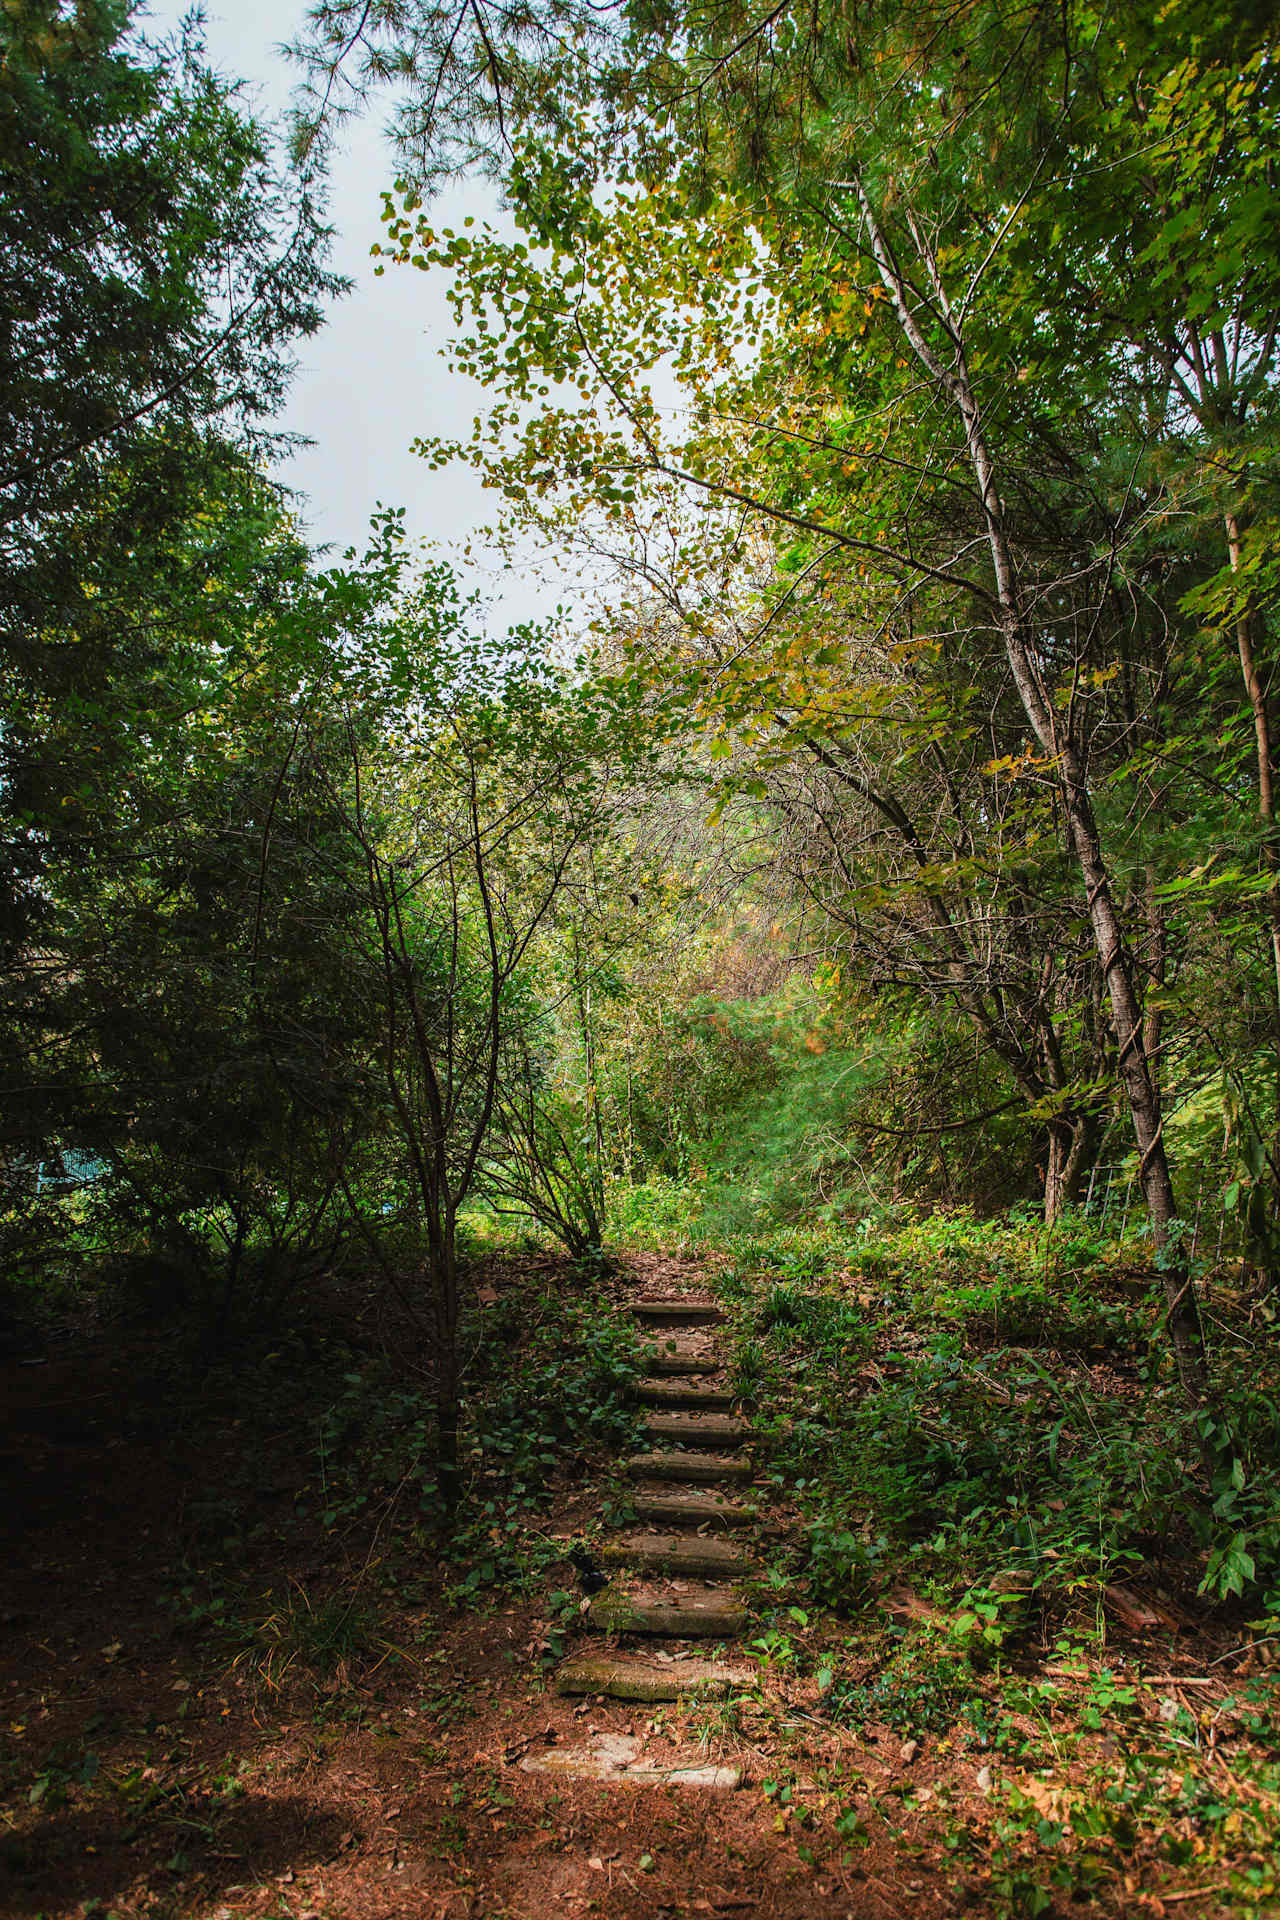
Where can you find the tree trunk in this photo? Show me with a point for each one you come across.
(583, 991)
(1182, 1313)
(1257, 698)
(1072, 1144)
(444, 1288)
(953, 383)
(1156, 961)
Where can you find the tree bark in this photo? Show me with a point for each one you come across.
(1072, 1140)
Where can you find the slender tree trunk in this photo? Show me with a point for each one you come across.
(1256, 695)
(1082, 1158)
(630, 1147)
(1072, 1141)
(1154, 1174)
(1059, 1148)
(1156, 961)
(230, 1285)
(953, 381)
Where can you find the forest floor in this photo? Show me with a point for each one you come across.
(218, 1698)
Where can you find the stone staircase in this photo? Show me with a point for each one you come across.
(674, 1578)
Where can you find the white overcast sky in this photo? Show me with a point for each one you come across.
(374, 377)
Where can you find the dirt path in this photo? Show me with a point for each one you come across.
(157, 1761)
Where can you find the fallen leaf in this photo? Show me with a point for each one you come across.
(1050, 1802)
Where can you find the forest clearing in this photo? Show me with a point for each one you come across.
(641, 1244)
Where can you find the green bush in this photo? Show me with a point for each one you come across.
(549, 1383)
(928, 1406)
(922, 1687)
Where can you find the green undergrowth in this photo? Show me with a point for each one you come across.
(547, 1388)
(973, 1403)
(797, 1103)
(550, 1364)
(978, 1428)
(1067, 1780)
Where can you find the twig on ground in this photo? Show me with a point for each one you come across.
(1247, 1646)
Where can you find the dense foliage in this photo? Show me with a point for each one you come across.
(954, 547)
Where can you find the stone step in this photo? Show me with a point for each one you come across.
(679, 1309)
(698, 1469)
(698, 1430)
(677, 1359)
(619, 1757)
(696, 1399)
(691, 1510)
(711, 1616)
(629, 1676)
(682, 1555)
